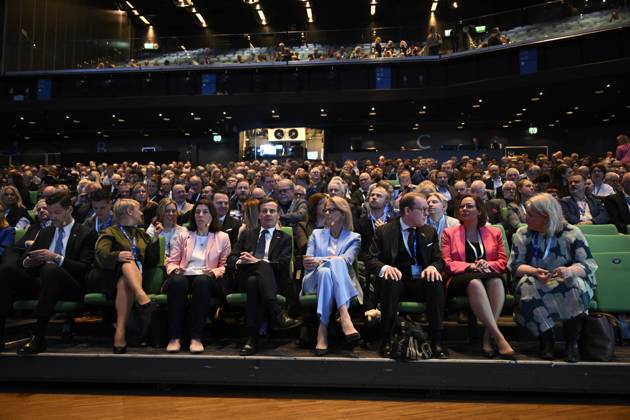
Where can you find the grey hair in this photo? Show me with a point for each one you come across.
(544, 203)
(440, 197)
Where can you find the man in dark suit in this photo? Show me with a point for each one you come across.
(405, 255)
(378, 215)
(241, 195)
(261, 260)
(54, 269)
(581, 207)
(618, 206)
(360, 195)
(229, 224)
(494, 182)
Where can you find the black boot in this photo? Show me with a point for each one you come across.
(572, 332)
(546, 345)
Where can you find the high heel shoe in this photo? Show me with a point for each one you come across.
(119, 350)
(353, 338)
(321, 352)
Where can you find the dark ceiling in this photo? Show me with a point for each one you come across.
(235, 16)
(587, 103)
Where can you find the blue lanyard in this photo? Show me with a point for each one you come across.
(440, 226)
(134, 249)
(537, 248)
(105, 225)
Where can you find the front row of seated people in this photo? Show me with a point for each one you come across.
(551, 266)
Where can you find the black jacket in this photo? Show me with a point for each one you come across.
(231, 227)
(384, 248)
(618, 212)
(79, 250)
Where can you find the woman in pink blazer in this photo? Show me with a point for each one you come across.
(475, 258)
(197, 260)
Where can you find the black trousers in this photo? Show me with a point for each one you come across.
(392, 292)
(205, 291)
(259, 282)
(53, 284)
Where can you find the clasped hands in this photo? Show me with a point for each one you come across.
(39, 256)
(217, 272)
(560, 273)
(480, 265)
(429, 274)
(247, 258)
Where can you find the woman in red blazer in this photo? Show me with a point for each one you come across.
(475, 258)
(196, 262)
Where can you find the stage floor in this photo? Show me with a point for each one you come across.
(280, 363)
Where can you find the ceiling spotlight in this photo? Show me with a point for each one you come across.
(535, 99)
(476, 106)
(540, 93)
(569, 112)
(22, 118)
(599, 92)
(113, 115)
(454, 5)
(608, 85)
(505, 126)
(576, 107)
(67, 117)
(524, 109)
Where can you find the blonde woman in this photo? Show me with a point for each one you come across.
(14, 210)
(165, 224)
(329, 273)
(437, 214)
(124, 253)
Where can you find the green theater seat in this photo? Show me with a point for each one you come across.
(598, 229)
(608, 243)
(613, 281)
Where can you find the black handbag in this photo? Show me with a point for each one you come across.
(598, 337)
(409, 341)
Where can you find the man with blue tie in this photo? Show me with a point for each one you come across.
(54, 269)
(405, 256)
(261, 259)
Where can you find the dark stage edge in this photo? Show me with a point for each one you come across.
(349, 369)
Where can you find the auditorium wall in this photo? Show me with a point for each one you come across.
(194, 149)
(343, 144)
(63, 34)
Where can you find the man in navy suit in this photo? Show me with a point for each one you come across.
(261, 259)
(405, 255)
(54, 269)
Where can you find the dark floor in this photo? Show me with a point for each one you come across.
(93, 335)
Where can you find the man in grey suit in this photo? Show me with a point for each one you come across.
(581, 208)
(292, 210)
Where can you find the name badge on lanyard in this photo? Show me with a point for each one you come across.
(134, 248)
(474, 248)
(537, 257)
(416, 269)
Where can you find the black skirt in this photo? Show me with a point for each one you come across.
(458, 284)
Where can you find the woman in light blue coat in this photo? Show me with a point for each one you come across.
(329, 273)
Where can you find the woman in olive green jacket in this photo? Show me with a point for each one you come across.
(123, 252)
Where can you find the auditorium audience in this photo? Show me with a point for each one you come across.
(554, 275)
(366, 186)
(195, 265)
(329, 273)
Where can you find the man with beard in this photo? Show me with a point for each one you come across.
(241, 195)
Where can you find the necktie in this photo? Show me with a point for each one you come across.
(260, 246)
(411, 242)
(59, 242)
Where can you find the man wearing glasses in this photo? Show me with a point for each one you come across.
(405, 255)
(292, 210)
